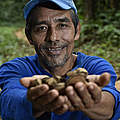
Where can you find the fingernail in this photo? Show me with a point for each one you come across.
(91, 87)
(82, 88)
(44, 87)
(66, 99)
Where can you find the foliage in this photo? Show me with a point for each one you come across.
(11, 46)
(105, 29)
(11, 11)
(100, 35)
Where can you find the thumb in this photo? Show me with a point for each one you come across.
(27, 81)
(32, 81)
(100, 80)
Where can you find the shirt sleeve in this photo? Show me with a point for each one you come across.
(14, 105)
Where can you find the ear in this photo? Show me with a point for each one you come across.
(28, 35)
(77, 35)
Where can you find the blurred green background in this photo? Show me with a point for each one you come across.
(100, 30)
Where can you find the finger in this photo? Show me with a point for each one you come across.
(104, 79)
(74, 98)
(47, 98)
(57, 104)
(37, 91)
(27, 81)
(84, 94)
(95, 92)
(31, 81)
(61, 110)
(71, 108)
(100, 80)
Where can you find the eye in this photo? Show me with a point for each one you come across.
(41, 28)
(63, 25)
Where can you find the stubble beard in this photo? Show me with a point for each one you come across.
(56, 61)
(53, 61)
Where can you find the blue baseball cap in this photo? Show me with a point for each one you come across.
(63, 4)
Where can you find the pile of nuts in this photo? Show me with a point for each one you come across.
(59, 83)
(79, 75)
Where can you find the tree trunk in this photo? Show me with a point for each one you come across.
(89, 9)
(116, 4)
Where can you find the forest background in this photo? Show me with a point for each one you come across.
(100, 30)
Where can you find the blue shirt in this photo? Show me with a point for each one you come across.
(14, 104)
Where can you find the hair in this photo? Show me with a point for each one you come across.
(74, 16)
(75, 19)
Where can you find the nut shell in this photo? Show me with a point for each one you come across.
(78, 75)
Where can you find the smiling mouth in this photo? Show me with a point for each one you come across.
(55, 50)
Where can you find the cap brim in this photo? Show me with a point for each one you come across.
(31, 4)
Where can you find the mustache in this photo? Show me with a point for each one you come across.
(54, 44)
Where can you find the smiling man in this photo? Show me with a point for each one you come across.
(53, 35)
(52, 26)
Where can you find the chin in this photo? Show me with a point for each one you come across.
(56, 61)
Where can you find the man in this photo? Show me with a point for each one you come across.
(52, 26)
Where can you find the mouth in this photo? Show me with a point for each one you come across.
(55, 50)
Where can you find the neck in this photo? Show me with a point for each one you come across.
(62, 70)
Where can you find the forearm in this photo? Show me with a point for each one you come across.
(103, 110)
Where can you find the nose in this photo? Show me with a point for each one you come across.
(52, 34)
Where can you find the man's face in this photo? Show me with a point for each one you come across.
(53, 36)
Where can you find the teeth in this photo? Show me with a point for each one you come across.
(51, 49)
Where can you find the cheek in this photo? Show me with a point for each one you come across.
(38, 40)
(68, 36)
(70, 47)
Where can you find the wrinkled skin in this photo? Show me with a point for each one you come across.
(53, 37)
(43, 99)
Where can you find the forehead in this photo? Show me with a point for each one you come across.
(43, 13)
